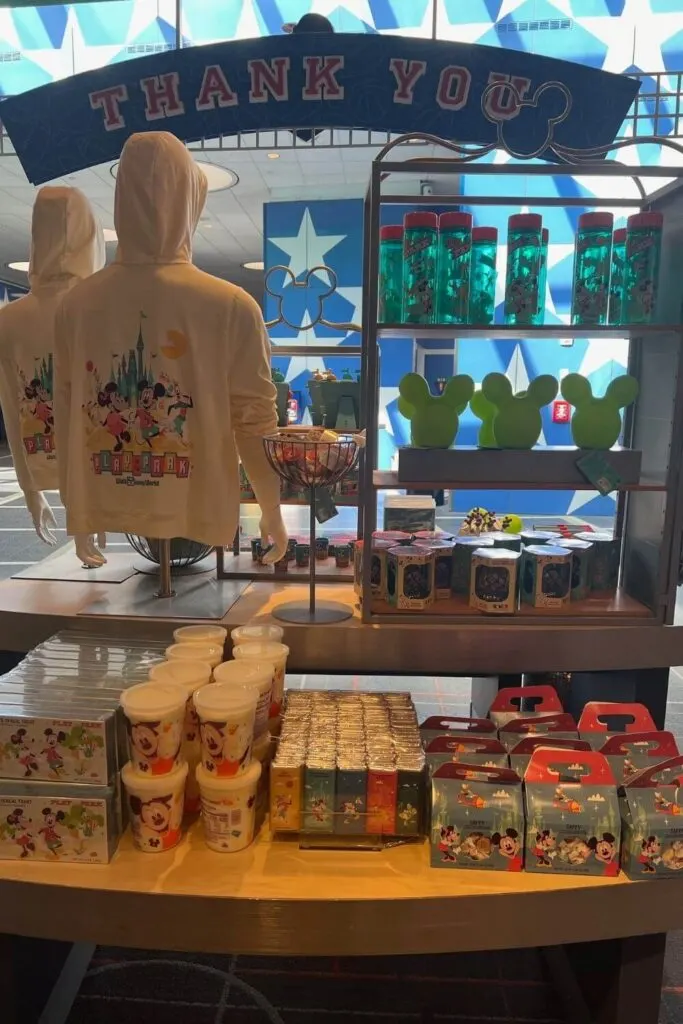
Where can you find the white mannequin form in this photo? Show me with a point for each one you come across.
(66, 246)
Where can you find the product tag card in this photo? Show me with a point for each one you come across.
(597, 470)
(325, 507)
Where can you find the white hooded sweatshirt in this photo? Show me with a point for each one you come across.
(66, 246)
(162, 371)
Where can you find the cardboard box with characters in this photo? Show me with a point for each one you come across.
(442, 725)
(523, 702)
(652, 822)
(557, 726)
(521, 754)
(485, 750)
(601, 719)
(630, 752)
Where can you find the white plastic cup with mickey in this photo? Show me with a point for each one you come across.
(155, 716)
(275, 654)
(155, 803)
(250, 673)
(191, 675)
(226, 727)
(256, 633)
(229, 808)
(212, 654)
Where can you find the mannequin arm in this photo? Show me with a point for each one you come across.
(42, 516)
(254, 414)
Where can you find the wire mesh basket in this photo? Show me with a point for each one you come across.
(184, 552)
(299, 457)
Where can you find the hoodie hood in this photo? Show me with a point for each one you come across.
(67, 243)
(160, 195)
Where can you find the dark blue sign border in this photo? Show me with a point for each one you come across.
(381, 83)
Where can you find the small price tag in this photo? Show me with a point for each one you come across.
(598, 471)
(325, 507)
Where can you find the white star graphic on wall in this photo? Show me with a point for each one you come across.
(359, 8)
(307, 249)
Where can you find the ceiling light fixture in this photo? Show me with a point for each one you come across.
(273, 156)
(21, 265)
(254, 265)
(218, 178)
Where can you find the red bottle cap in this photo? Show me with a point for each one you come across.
(456, 219)
(619, 236)
(545, 236)
(485, 234)
(421, 219)
(645, 220)
(391, 233)
(525, 222)
(596, 220)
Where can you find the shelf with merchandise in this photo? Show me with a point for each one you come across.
(513, 332)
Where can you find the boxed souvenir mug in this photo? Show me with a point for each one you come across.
(477, 818)
(630, 752)
(520, 755)
(41, 743)
(494, 580)
(546, 576)
(558, 726)
(410, 577)
(56, 822)
(484, 750)
(507, 704)
(572, 813)
(601, 719)
(652, 822)
(445, 725)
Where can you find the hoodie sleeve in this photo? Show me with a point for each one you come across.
(10, 411)
(253, 398)
(62, 399)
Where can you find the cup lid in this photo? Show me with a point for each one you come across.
(596, 219)
(139, 783)
(484, 234)
(244, 673)
(190, 674)
(153, 700)
(194, 652)
(198, 634)
(217, 700)
(421, 219)
(231, 784)
(391, 233)
(619, 236)
(264, 650)
(525, 222)
(649, 219)
(455, 219)
(255, 631)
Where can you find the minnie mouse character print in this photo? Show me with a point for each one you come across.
(51, 836)
(19, 829)
(156, 822)
(545, 848)
(605, 851)
(449, 843)
(22, 749)
(508, 846)
(650, 855)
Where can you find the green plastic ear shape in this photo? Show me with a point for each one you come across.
(484, 411)
(434, 420)
(596, 422)
(517, 421)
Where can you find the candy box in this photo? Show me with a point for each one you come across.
(493, 580)
(652, 822)
(628, 753)
(484, 750)
(439, 725)
(409, 512)
(520, 755)
(546, 576)
(557, 726)
(410, 577)
(572, 813)
(507, 704)
(57, 822)
(477, 818)
(601, 719)
(38, 742)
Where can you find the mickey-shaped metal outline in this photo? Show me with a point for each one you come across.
(532, 101)
(303, 283)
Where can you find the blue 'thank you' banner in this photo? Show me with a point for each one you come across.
(476, 94)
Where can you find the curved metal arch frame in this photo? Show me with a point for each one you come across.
(319, 319)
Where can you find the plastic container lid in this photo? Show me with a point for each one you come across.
(421, 219)
(244, 673)
(264, 651)
(196, 652)
(547, 549)
(645, 220)
(149, 701)
(484, 234)
(154, 784)
(596, 220)
(498, 554)
(200, 635)
(574, 543)
(255, 632)
(525, 222)
(218, 700)
(595, 536)
(455, 219)
(391, 233)
(217, 786)
(409, 551)
(619, 236)
(190, 674)
(481, 541)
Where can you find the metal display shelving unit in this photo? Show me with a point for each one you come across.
(649, 515)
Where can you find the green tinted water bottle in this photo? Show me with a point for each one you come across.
(542, 277)
(390, 274)
(616, 281)
(455, 256)
(420, 233)
(483, 275)
(592, 265)
(523, 268)
(643, 252)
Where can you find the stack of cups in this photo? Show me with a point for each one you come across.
(254, 632)
(191, 675)
(272, 653)
(212, 654)
(227, 776)
(215, 636)
(156, 774)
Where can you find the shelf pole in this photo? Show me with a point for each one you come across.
(311, 563)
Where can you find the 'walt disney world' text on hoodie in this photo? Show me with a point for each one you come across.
(162, 371)
(66, 246)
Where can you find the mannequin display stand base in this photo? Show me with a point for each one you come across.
(193, 597)
(324, 612)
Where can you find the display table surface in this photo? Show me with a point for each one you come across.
(277, 898)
